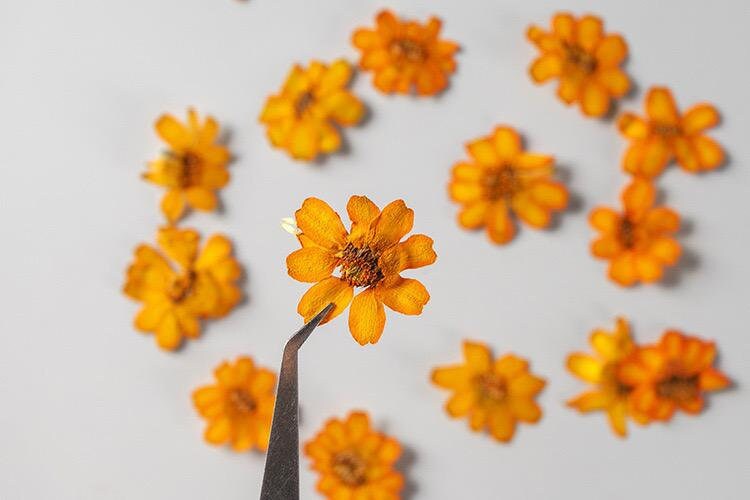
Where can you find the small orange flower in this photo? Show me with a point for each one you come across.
(194, 167)
(500, 179)
(609, 394)
(370, 256)
(406, 55)
(673, 374)
(354, 461)
(179, 286)
(305, 116)
(493, 394)
(665, 134)
(238, 408)
(638, 242)
(585, 59)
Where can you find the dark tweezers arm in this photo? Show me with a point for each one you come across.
(281, 475)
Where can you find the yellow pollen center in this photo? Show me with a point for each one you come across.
(678, 387)
(501, 183)
(241, 401)
(181, 287)
(190, 168)
(350, 468)
(493, 387)
(578, 60)
(666, 130)
(359, 266)
(303, 103)
(408, 50)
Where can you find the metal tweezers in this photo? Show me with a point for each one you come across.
(281, 475)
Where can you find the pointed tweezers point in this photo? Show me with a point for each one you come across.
(299, 338)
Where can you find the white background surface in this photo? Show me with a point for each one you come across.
(91, 409)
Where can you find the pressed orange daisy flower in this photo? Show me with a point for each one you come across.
(406, 55)
(639, 241)
(494, 395)
(355, 461)
(238, 408)
(179, 285)
(585, 60)
(665, 134)
(370, 256)
(193, 168)
(609, 393)
(673, 374)
(500, 179)
(305, 116)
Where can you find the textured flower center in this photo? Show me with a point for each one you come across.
(350, 468)
(409, 50)
(501, 183)
(678, 387)
(667, 130)
(303, 103)
(359, 266)
(493, 387)
(190, 168)
(578, 60)
(630, 237)
(181, 287)
(241, 401)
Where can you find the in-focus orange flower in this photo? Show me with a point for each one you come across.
(500, 179)
(355, 461)
(179, 285)
(370, 257)
(583, 58)
(609, 393)
(238, 408)
(305, 116)
(673, 374)
(639, 241)
(193, 168)
(665, 134)
(406, 56)
(494, 395)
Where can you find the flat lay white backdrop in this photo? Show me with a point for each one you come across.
(92, 409)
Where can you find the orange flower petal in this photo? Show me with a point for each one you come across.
(648, 268)
(611, 51)
(483, 151)
(321, 294)
(413, 253)
(564, 25)
(633, 126)
(531, 212)
(463, 171)
(173, 132)
(589, 32)
(604, 219)
(466, 192)
(201, 198)
(585, 367)
(525, 410)
(478, 357)
(551, 195)
(569, 89)
(665, 250)
(218, 431)
(662, 220)
(311, 264)
(474, 215)
(366, 317)
(304, 141)
(506, 142)
(710, 154)
(500, 227)
(638, 196)
(590, 401)
(594, 99)
(404, 295)
(614, 80)
(622, 269)
(712, 379)
(451, 377)
(168, 334)
(606, 247)
(617, 415)
(362, 213)
(321, 223)
(179, 244)
(394, 222)
(547, 66)
(502, 424)
(173, 205)
(533, 161)
(461, 402)
(661, 107)
(685, 154)
(699, 118)
(526, 385)
(510, 366)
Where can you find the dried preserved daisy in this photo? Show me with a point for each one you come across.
(502, 179)
(406, 56)
(355, 461)
(305, 116)
(665, 134)
(492, 394)
(179, 285)
(608, 393)
(673, 374)
(238, 407)
(193, 168)
(638, 242)
(584, 59)
(369, 257)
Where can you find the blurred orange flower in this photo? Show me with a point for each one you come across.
(194, 166)
(639, 241)
(492, 394)
(500, 179)
(673, 374)
(665, 134)
(609, 393)
(406, 55)
(355, 461)
(370, 256)
(305, 116)
(585, 60)
(239, 406)
(179, 285)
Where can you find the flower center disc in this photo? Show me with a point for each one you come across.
(181, 287)
(579, 60)
(241, 401)
(667, 130)
(303, 103)
(678, 387)
(359, 266)
(409, 50)
(501, 183)
(190, 164)
(493, 387)
(350, 468)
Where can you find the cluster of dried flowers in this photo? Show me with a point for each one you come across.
(180, 285)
